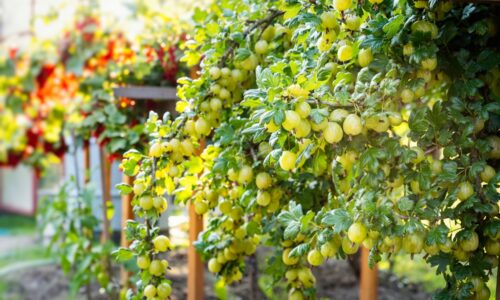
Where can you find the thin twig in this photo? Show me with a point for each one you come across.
(256, 24)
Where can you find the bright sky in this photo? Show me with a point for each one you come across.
(15, 15)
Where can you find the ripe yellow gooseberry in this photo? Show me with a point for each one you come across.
(349, 247)
(352, 125)
(303, 129)
(139, 187)
(407, 95)
(431, 249)
(164, 290)
(470, 244)
(143, 262)
(345, 53)
(326, 40)
(215, 104)
(429, 63)
(328, 249)
(365, 57)
(492, 247)
(161, 243)
(202, 127)
(156, 268)
(303, 109)
(271, 126)
(287, 160)
(413, 243)
(225, 206)
(328, 20)
(150, 291)
(352, 22)
(201, 207)
(214, 266)
(245, 175)
(357, 232)
(333, 133)
(465, 190)
(263, 198)
(263, 180)
(261, 47)
(292, 120)
(214, 73)
(160, 203)
(315, 258)
(342, 5)
(155, 150)
(287, 260)
(487, 174)
(338, 115)
(408, 49)
(146, 202)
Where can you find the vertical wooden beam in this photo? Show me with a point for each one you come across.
(127, 214)
(498, 283)
(196, 274)
(368, 278)
(106, 194)
(86, 162)
(196, 268)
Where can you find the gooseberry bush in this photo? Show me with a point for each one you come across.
(330, 125)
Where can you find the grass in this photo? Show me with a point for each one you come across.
(15, 224)
(36, 252)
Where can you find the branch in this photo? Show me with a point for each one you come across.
(267, 20)
(333, 105)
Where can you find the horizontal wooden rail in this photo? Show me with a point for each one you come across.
(147, 93)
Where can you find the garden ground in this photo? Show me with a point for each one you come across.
(27, 271)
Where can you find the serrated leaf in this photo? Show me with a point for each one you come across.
(339, 219)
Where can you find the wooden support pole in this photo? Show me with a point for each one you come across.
(498, 283)
(106, 194)
(196, 268)
(368, 278)
(127, 214)
(196, 273)
(86, 161)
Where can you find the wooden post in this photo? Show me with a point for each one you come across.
(127, 214)
(86, 161)
(498, 283)
(368, 278)
(196, 268)
(106, 194)
(196, 273)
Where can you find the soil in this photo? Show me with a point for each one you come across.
(335, 280)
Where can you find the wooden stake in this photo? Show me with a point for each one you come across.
(106, 194)
(86, 161)
(196, 268)
(196, 276)
(498, 284)
(368, 278)
(127, 214)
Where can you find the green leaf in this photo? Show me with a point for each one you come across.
(437, 235)
(291, 230)
(405, 204)
(339, 219)
(392, 27)
(299, 250)
(124, 188)
(123, 254)
(241, 54)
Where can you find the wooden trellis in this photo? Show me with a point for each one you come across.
(196, 280)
